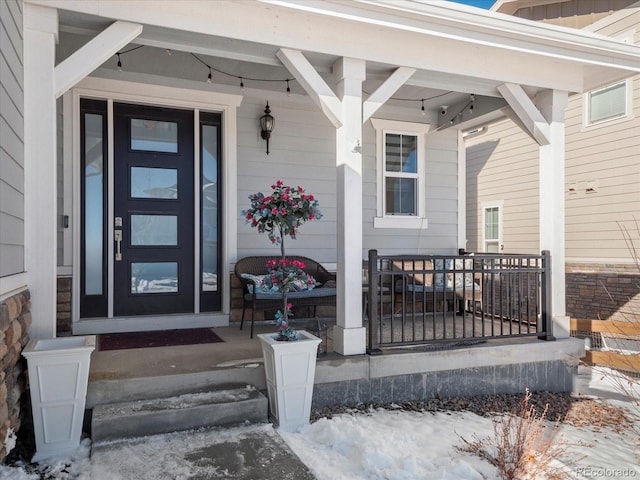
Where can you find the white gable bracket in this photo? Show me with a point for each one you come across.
(390, 86)
(90, 56)
(313, 84)
(532, 120)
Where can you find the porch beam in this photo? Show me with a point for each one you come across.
(313, 84)
(93, 54)
(40, 192)
(349, 334)
(390, 86)
(552, 105)
(531, 118)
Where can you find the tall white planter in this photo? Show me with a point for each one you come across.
(58, 377)
(290, 369)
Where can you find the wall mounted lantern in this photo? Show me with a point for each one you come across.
(267, 122)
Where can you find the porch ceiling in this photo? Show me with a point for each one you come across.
(456, 50)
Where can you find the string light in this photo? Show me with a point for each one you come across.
(119, 64)
(470, 104)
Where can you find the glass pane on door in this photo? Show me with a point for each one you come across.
(151, 182)
(153, 230)
(154, 135)
(154, 277)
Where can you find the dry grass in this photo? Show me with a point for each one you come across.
(524, 445)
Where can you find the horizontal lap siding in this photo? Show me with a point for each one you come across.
(608, 157)
(302, 152)
(502, 166)
(11, 140)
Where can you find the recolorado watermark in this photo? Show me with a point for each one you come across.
(607, 472)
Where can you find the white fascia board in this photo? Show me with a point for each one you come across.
(464, 41)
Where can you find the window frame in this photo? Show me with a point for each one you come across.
(418, 130)
(486, 206)
(608, 120)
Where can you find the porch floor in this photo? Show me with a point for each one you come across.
(236, 350)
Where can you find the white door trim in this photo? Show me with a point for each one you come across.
(140, 93)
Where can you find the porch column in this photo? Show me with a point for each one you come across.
(40, 37)
(349, 334)
(552, 105)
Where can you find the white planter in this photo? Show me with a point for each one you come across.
(58, 376)
(290, 368)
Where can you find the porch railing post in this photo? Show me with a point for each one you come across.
(546, 296)
(372, 301)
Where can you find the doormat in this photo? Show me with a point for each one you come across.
(158, 338)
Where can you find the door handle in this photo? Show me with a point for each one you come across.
(117, 236)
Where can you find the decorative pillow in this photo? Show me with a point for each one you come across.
(262, 282)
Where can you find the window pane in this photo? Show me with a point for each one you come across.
(154, 135)
(491, 223)
(154, 230)
(409, 145)
(401, 153)
(154, 182)
(209, 208)
(400, 196)
(393, 151)
(609, 102)
(157, 277)
(93, 219)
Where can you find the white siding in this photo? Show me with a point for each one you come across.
(11, 140)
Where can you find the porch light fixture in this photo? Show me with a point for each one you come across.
(267, 122)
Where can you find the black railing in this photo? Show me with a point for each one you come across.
(414, 300)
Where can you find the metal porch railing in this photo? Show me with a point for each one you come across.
(416, 300)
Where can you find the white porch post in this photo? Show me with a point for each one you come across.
(40, 36)
(552, 105)
(349, 334)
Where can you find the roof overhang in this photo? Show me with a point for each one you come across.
(451, 46)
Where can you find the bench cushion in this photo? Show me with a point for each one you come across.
(315, 293)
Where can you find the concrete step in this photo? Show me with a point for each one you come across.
(223, 406)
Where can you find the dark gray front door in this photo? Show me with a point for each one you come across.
(153, 210)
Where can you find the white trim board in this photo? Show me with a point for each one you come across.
(140, 93)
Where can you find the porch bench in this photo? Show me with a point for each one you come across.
(421, 281)
(322, 295)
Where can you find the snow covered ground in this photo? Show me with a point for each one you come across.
(378, 445)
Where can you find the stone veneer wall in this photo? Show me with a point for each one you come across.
(603, 291)
(63, 317)
(15, 320)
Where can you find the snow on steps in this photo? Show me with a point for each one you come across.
(227, 405)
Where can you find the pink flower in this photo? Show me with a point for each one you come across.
(279, 183)
(311, 198)
(274, 211)
(249, 215)
(312, 216)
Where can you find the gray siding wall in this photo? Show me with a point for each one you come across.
(503, 164)
(11, 139)
(303, 153)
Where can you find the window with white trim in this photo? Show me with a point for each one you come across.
(613, 101)
(400, 155)
(607, 103)
(492, 228)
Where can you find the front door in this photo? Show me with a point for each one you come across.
(153, 210)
